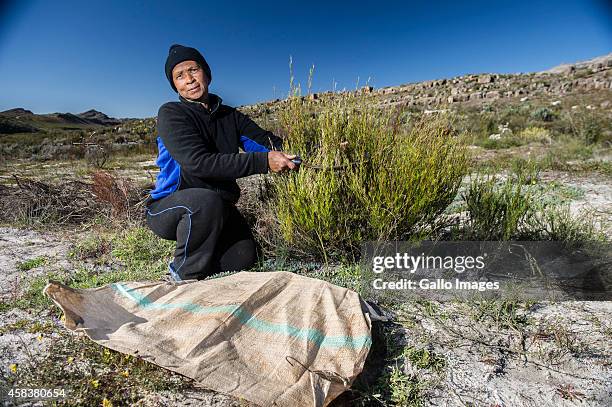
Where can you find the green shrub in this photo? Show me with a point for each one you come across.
(476, 125)
(501, 314)
(566, 148)
(497, 209)
(557, 223)
(587, 125)
(516, 116)
(485, 124)
(525, 171)
(519, 209)
(362, 178)
(535, 134)
(543, 114)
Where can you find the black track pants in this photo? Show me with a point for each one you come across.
(211, 235)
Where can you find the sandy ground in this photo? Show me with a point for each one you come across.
(531, 366)
(597, 194)
(485, 365)
(22, 245)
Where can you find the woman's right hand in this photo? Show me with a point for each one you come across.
(281, 162)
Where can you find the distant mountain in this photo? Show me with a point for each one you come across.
(18, 111)
(20, 120)
(71, 118)
(94, 116)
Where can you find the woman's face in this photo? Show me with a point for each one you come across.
(190, 80)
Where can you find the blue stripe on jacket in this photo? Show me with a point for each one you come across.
(251, 146)
(169, 176)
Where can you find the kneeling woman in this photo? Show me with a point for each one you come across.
(195, 192)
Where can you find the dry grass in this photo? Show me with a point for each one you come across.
(123, 198)
(31, 202)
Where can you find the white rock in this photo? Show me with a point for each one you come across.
(426, 111)
(495, 136)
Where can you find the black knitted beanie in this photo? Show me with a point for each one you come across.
(178, 54)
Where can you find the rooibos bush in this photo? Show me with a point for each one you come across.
(363, 178)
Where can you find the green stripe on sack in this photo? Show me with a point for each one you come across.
(313, 335)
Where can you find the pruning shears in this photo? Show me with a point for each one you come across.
(297, 160)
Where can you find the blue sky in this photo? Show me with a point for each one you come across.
(70, 56)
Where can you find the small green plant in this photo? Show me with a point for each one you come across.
(94, 246)
(497, 209)
(558, 224)
(543, 114)
(424, 359)
(32, 263)
(430, 308)
(140, 249)
(405, 392)
(525, 171)
(502, 314)
(535, 134)
(518, 208)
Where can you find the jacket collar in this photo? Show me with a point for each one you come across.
(214, 102)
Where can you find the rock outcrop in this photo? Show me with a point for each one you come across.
(481, 88)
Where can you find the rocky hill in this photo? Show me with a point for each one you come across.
(20, 120)
(580, 77)
(16, 113)
(93, 116)
(587, 82)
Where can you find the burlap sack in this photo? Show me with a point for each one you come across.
(273, 338)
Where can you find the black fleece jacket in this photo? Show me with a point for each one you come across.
(205, 143)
